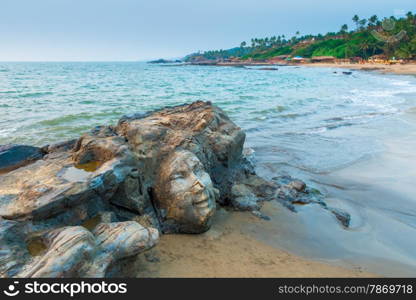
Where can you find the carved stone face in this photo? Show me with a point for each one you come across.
(184, 192)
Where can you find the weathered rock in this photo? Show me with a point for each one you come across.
(117, 241)
(76, 252)
(200, 128)
(13, 251)
(298, 185)
(15, 156)
(59, 147)
(202, 142)
(68, 251)
(243, 198)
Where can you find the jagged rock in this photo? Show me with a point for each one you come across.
(292, 193)
(298, 185)
(258, 214)
(59, 147)
(15, 156)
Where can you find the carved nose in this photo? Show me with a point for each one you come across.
(198, 185)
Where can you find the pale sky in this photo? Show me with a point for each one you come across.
(129, 30)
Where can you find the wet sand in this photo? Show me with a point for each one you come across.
(400, 69)
(229, 249)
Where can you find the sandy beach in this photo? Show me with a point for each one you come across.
(400, 69)
(228, 250)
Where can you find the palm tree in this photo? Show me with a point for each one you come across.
(356, 20)
(365, 45)
(344, 28)
(362, 23)
(372, 21)
(273, 40)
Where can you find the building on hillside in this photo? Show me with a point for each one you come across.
(342, 61)
(279, 58)
(378, 59)
(234, 59)
(323, 59)
(356, 60)
(299, 59)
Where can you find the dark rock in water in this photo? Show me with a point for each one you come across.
(15, 156)
(268, 69)
(347, 73)
(294, 193)
(150, 257)
(260, 215)
(298, 185)
(164, 61)
(342, 216)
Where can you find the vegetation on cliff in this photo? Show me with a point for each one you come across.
(392, 37)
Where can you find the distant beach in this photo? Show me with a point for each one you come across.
(400, 69)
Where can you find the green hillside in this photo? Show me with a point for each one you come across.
(392, 37)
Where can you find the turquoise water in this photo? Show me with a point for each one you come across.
(352, 136)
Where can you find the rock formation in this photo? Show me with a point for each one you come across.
(79, 207)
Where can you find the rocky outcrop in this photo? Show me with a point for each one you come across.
(80, 207)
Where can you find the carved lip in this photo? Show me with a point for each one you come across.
(202, 201)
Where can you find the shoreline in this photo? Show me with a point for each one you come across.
(207, 255)
(398, 69)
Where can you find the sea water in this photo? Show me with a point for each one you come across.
(350, 136)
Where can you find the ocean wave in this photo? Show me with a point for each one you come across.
(356, 117)
(34, 94)
(8, 92)
(77, 117)
(322, 129)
